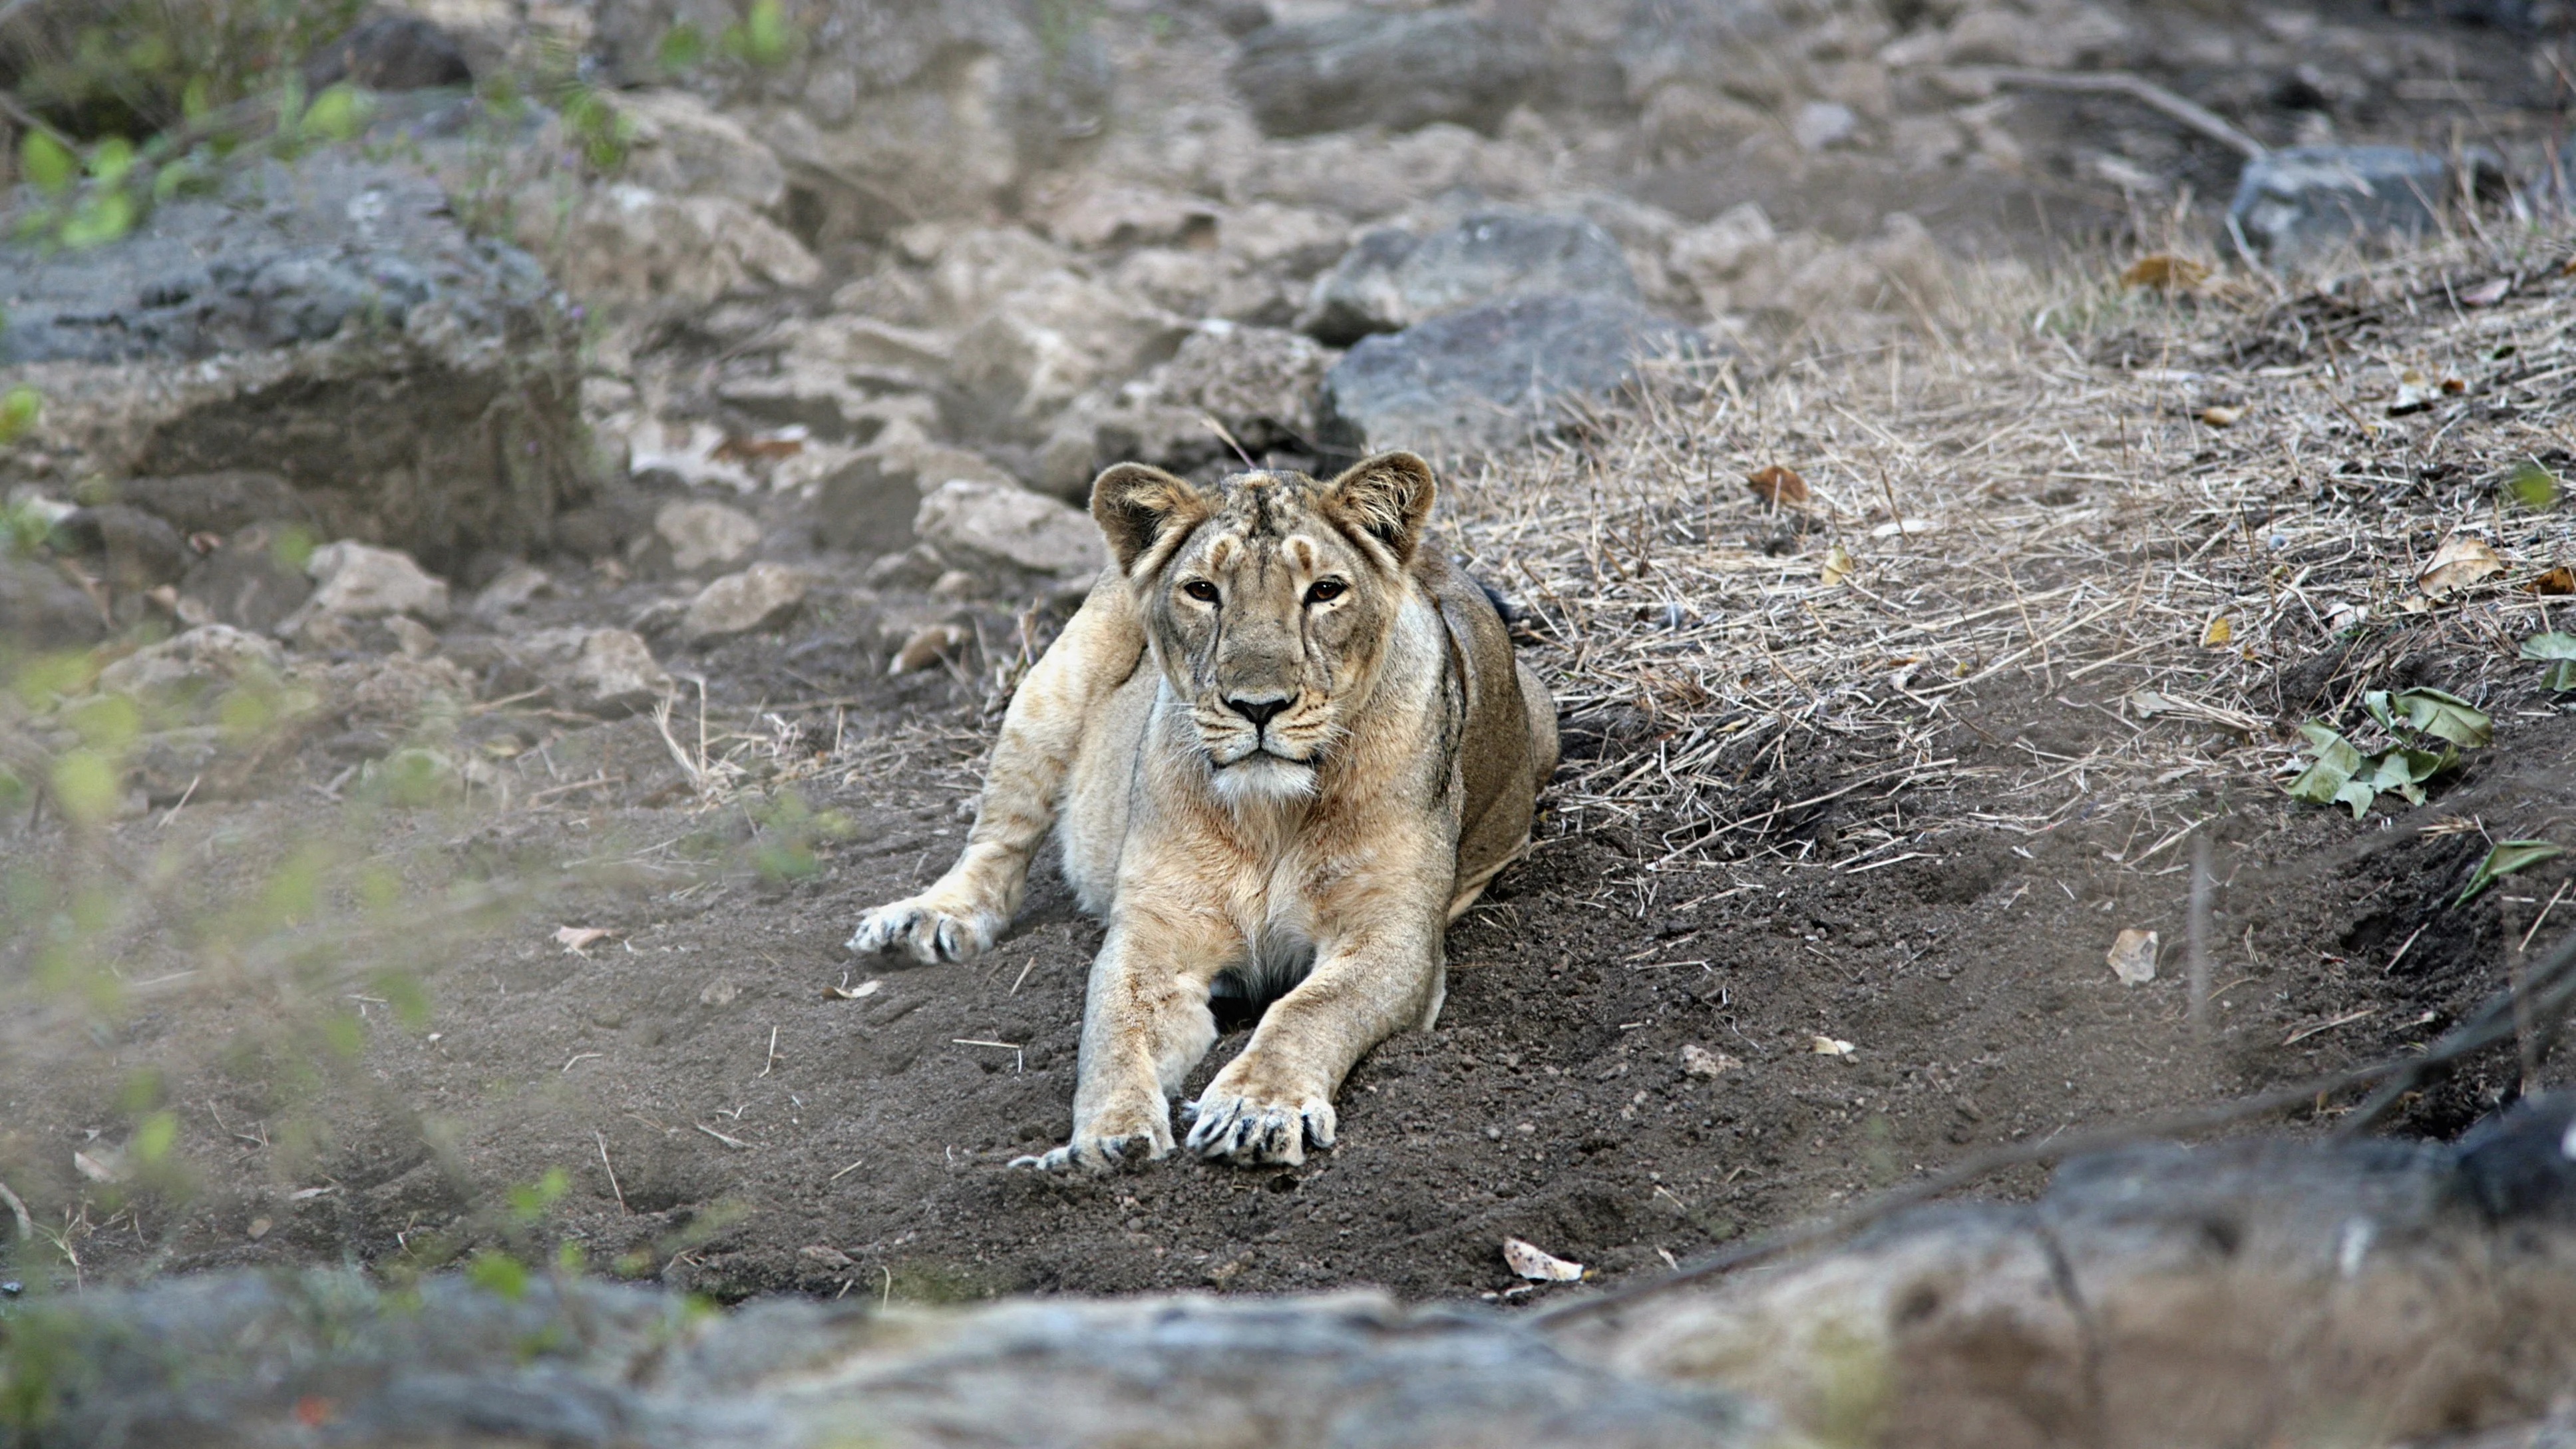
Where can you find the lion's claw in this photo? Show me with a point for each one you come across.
(1246, 1131)
(1098, 1155)
(927, 932)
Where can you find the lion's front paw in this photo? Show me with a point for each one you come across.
(1246, 1120)
(1123, 1138)
(929, 929)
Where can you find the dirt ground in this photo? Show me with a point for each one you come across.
(363, 1038)
(726, 1122)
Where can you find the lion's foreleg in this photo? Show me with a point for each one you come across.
(965, 911)
(1145, 1023)
(1276, 1099)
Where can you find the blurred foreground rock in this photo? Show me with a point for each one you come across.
(329, 325)
(2248, 1292)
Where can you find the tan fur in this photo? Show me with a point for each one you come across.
(1264, 789)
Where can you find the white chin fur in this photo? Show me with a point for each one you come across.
(1266, 780)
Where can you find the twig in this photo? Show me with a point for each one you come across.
(2203, 886)
(772, 1059)
(611, 1169)
(2138, 88)
(18, 1210)
(735, 1142)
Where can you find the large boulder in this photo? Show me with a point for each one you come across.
(1260, 384)
(1489, 377)
(2299, 204)
(1042, 345)
(1392, 69)
(1390, 279)
(329, 324)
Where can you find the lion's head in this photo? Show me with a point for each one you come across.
(1270, 600)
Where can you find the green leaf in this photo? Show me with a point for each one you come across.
(2375, 702)
(2359, 794)
(2336, 761)
(48, 163)
(2561, 675)
(765, 37)
(683, 46)
(20, 406)
(2402, 771)
(2532, 486)
(2549, 646)
(99, 220)
(2445, 716)
(110, 159)
(338, 114)
(2507, 857)
(498, 1273)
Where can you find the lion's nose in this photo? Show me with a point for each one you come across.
(1261, 711)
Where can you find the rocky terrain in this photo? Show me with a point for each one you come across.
(488, 600)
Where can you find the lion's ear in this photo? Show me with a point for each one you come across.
(1387, 497)
(1137, 506)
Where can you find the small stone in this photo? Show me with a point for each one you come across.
(1821, 125)
(616, 670)
(721, 992)
(514, 588)
(989, 523)
(259, 1228)
(192, 668)
(764, 594)
(412, 637)
(702, 535)
(359, 581)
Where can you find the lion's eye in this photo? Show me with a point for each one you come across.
(1201, 590)
(1324, 591)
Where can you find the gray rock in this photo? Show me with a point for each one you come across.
(185, 675)
(1390, 280)
(41, 609)
(1487, 378)
(993, 524)
(250, 582)
(329, 323)
(616, 669)
(391, 53)
(2300, 204)
(216, 503)
(703, 534)
(759, 596)
(1379, 68)
(127, 547)
(1261, 384)
(358, 581)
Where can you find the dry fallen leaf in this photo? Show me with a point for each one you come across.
(1701, 1062)
(2487, 294)
(1537, 1266)
(2219, 415)
(926, 646)
(2165, 272)
(307, 1194)
(1904, 526)
(2559, 580)
(868, 987)
(2133, 956)
(1826, 1046)
(259, 1228)
(1776, 485)
(723, 991)
(2461, 561)
(825, 1254)
(1838, 565)
(2217, 634)
(578, 940)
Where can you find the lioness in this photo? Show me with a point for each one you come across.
(1289, 744)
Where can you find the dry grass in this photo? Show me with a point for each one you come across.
(2038, 513)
